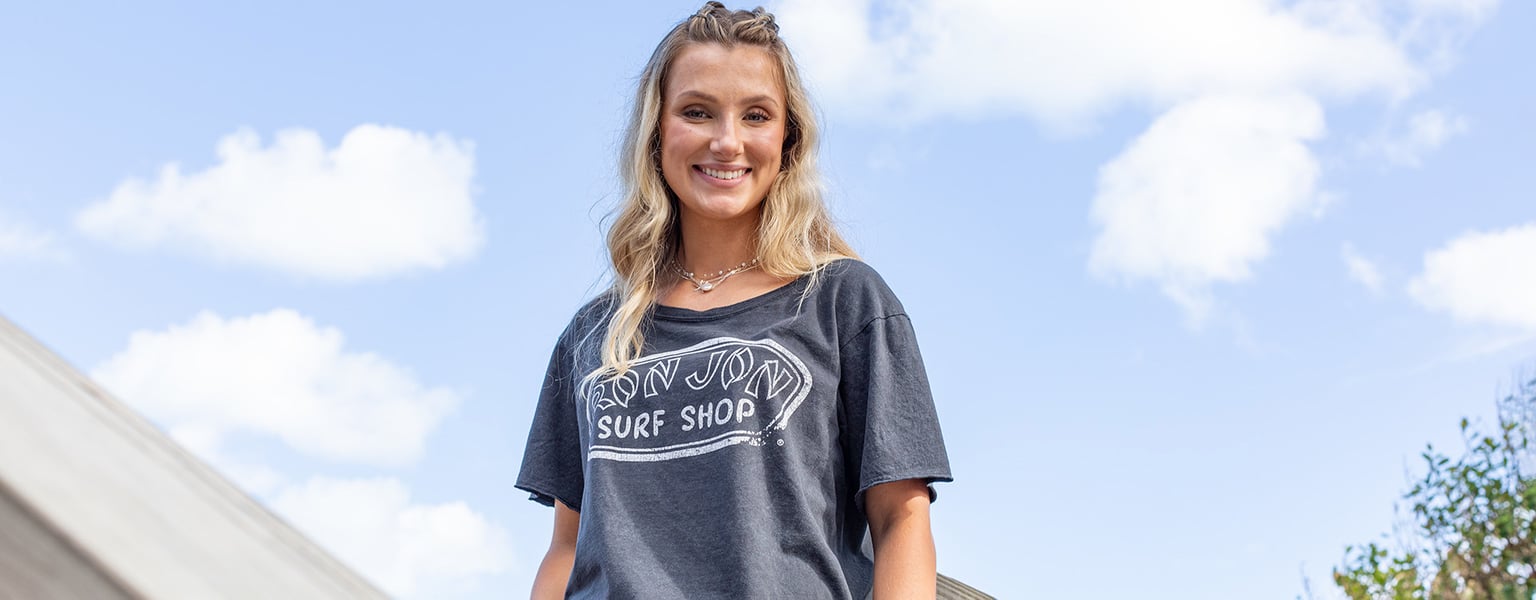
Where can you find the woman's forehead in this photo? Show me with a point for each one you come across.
(714, 71)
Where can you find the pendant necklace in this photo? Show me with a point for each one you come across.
(705, 283)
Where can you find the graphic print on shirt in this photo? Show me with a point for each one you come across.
(717, 393)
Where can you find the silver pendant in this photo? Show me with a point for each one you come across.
(706, 286)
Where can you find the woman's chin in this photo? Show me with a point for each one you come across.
(722, 210)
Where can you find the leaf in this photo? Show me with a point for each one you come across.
(1471, 532)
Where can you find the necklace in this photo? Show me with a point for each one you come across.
(705, 283)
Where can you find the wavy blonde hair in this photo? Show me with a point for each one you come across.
(795, 234)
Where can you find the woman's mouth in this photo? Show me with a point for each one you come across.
(722, 174)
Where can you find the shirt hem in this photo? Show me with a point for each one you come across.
(542, 495)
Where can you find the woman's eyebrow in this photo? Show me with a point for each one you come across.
(696, 94)
(761, 99)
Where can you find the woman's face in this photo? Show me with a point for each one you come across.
(722, 130)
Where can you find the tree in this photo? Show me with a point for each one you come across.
(1474, 521)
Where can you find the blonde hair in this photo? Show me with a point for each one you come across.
(795, 234)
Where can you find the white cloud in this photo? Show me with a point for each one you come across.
(1474, 9)
(384, 201)
(1483, 277)
(276, 374)
(207, 442)
(1361, 269)
(1213, 202)
(1427, 130)
(1063, 62)
(19, 241)
(1436, 28)
(1194, 200)
(410, 550)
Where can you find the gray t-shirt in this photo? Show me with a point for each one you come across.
(731, 461)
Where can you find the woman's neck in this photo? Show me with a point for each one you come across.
(713, 246)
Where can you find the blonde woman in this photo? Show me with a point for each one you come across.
(747, 402)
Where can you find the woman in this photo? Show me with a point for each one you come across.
(747, 400)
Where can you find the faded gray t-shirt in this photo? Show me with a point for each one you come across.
(731, 461)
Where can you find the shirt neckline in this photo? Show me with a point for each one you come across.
(676, 313)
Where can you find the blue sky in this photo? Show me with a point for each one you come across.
(1195, 280)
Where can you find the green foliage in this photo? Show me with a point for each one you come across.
(1474, 534)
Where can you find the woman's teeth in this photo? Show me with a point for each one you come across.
(723, 174)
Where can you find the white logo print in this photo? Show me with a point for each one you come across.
(717, 393)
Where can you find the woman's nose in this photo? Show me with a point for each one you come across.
(727, 140)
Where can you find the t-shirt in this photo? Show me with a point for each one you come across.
(731, 460)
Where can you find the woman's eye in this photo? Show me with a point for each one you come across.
(757, 117)
(694, 113)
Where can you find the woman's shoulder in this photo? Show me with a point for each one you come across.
(852, 272)
(855, 286)
(591, 318)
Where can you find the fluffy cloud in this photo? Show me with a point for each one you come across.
(1061, 62)
(1475, 9)
(275, 374)
(1483, 277)
(22, 242)
(1194, 199)
(1427, 130)
(1361, 269)
(1181, 211)
(410, 550)
(382, 202)
(280, 375)
(1437, 27)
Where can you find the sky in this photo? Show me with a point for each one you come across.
(1195, 280)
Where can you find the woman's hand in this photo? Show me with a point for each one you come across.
(898, 527)
(555, 571)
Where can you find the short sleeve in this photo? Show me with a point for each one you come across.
(552, 460)
(891, 428)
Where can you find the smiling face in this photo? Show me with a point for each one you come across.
(722, 130)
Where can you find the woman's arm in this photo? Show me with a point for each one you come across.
(898, 527)
(549, 584)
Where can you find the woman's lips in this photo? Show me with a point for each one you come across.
(722, 175)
